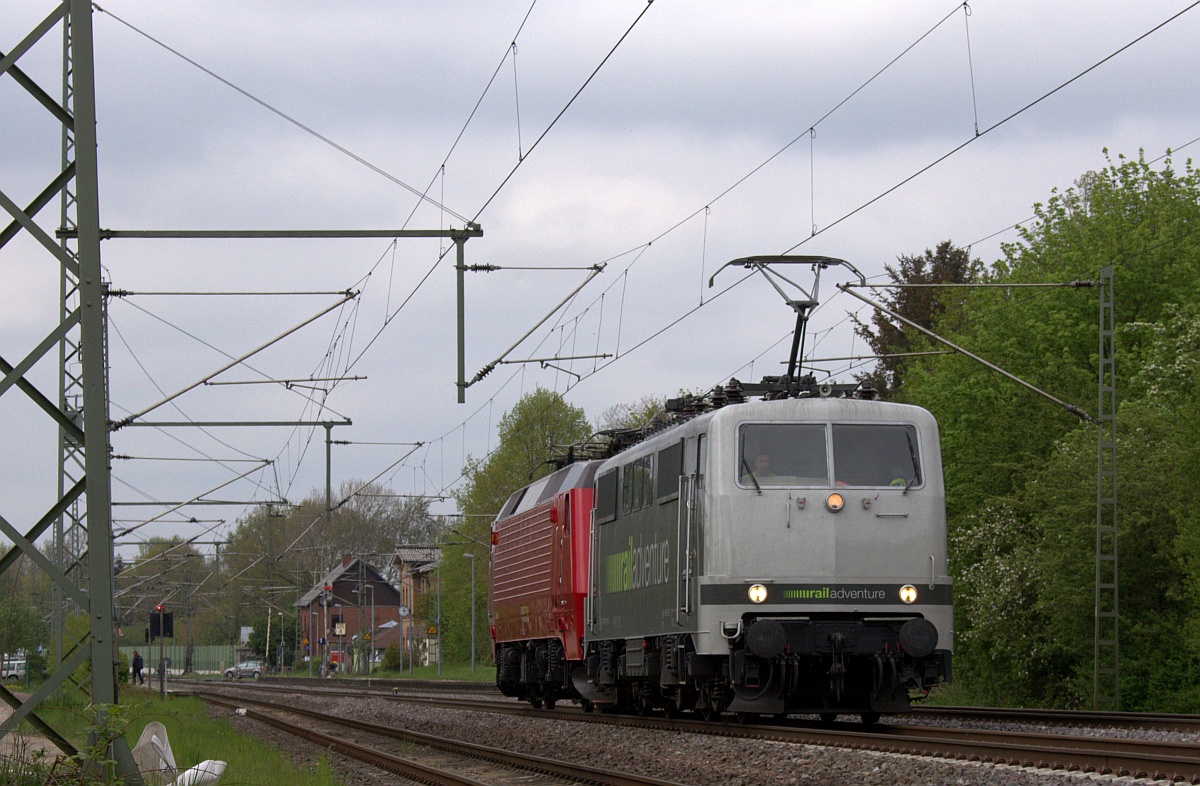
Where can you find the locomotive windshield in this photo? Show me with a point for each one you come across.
(875, 455)
(783, 454)
(787, 454)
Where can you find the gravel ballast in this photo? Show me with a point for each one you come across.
(693, 759)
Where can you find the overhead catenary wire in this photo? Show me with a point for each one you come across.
(493, 399)
(501, 186)
(200, 341)
(236, 361)
(980, 134)
(377, 170)
(927, 167)
(810, 132)
(561, 112)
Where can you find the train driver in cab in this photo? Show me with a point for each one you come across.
(760, 469)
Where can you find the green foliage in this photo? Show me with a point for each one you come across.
(122, 669)
(391, 658)
(282, 632)
(195, 734)
(1021, 472)
(631, 414)
(928, 307)
(21, 627)
(527, 434)
(540, 421)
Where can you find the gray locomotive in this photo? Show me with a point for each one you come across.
(770, 557)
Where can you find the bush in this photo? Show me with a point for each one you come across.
(391, 658)
(35, 663)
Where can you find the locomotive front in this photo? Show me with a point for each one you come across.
(825, 576)
(801, 567)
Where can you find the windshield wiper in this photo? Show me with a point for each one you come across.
(750, 472)
(912, 453)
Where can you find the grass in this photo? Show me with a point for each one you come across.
(194, 736)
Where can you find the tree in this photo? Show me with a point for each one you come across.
(21, 627)
(283, 633)
(528, 433)
(1021, 472)
(169, 568)
(273, 556)
(888, 337)
(631, 414)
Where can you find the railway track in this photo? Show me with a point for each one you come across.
(1057, 751)
(1162, 721)
(1043, 717)
(438, 761)
(1121, 720)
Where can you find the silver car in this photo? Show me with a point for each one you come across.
(250, 668)
(13, 671)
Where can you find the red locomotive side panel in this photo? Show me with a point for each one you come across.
(539, 572)
(522, 571)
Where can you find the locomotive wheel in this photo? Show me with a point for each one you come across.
(587, 705)
(744, 718)
(870, 718)
(828, 717)
(550, 701)
(710, 713)
(535, 702)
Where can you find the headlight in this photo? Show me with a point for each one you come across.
(908, 593)
(835, 502)
(757, 593)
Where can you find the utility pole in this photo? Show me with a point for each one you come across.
(79, 332)
(1106, 691)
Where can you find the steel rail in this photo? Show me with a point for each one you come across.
(1102, 755)
(1146, 720)
(386, 761)
(580, 773)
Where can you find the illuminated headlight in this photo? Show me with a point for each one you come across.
(758, 593)
(908, 593)
(835, 502)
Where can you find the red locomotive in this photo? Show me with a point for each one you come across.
(539, 580)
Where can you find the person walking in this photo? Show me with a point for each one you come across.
(138, 665)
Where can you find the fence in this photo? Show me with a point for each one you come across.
(202, 659)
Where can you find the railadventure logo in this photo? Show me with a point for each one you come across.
(830, 593)
(640, 565)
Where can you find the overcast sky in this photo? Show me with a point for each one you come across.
(638, 174)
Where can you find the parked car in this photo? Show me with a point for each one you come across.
(249, 668)
(13, 671)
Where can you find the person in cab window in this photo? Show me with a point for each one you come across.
(761, 469)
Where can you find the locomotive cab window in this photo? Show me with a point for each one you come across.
(670, 467)
(512, 503)
(606, 497)
(782, 454)
(637, 485)
(876, 455)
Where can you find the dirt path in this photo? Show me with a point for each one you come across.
(23, 745)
